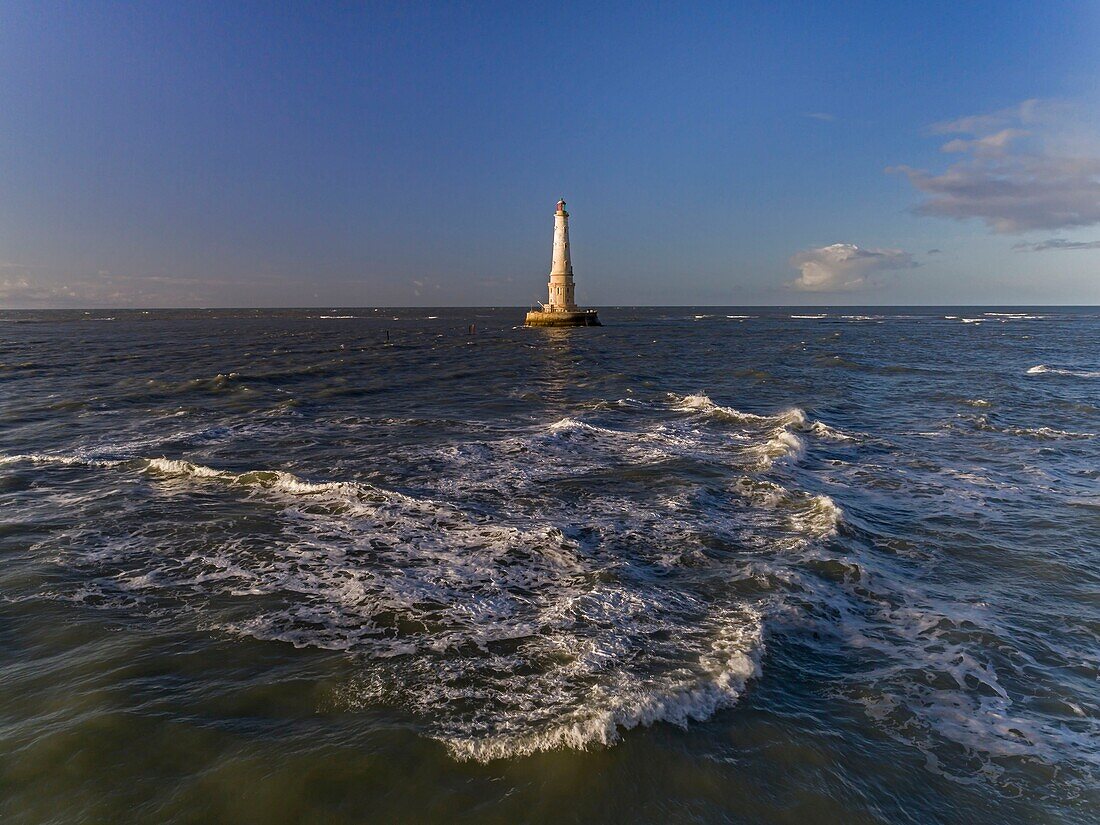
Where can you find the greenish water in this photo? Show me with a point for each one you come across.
(714, 565)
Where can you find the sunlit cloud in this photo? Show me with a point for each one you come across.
(843, 267)
(1023, 168)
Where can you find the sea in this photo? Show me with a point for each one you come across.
(700, 564)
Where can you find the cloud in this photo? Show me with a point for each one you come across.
(1055, 243)
(844, 266)
(1024, 168)
(19, 291)
(1026, 112)
(994, 145)
(104, 289)
(934, 251)
(821, 115)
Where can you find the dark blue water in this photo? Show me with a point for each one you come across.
(714, 565)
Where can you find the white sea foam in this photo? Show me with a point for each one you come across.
(1044, 432)
(441, 599)
(540, 588)
(177, 467)
(1041, 369)
(782, 445)
(777, 441)
(962, 700)
(64, 460)
(566, 424)
(702, 403)
(505, 631)
(1013, 316)
(819, 518)
(715, 682)
(810, 317)
(823, 430)
(267, 479)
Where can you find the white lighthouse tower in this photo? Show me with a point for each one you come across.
(561, 309)
(561, 269)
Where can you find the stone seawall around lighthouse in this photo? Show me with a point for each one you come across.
(563, 318)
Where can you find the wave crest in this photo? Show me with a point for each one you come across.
(1041, 369)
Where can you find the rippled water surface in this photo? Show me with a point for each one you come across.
(713, 565)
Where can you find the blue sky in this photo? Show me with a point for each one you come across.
(743, 153)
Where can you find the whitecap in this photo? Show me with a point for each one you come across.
(628, 701)
(819, 517)
(702, 403)
(64, 460)
(820, 428)
(781, 446)
(1040, 369)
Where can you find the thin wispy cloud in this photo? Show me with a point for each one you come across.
(1023, 168)
(1025, 112)
(1055, 243)
(843, 267)
(821, 115)
(103, 289)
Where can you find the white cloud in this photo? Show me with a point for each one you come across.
(1023, 168)
(845, 266)
(994, 145)
(1026, 112)
(821, 115)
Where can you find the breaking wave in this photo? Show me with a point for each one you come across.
(702, 403)
(529, 598)
(1041, 369)
(721, 674)
(506, 628)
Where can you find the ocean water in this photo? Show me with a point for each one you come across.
(697, 565)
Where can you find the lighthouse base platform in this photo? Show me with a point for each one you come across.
(560, 318)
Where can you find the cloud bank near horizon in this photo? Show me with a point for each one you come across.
(19, 288)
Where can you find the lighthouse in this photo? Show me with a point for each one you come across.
(561, 308)
(561, 269)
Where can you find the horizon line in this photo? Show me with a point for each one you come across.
(520, 308)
